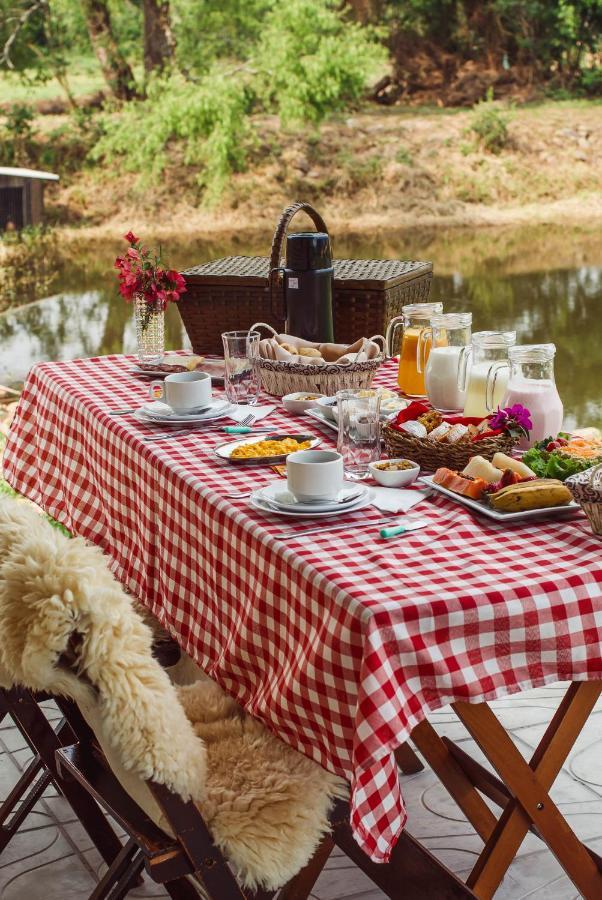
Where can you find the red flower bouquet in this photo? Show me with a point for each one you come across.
(142, 274)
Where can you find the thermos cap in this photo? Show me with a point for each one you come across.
(308, 250)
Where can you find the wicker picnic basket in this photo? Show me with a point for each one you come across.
(230, 294)
(586, 488)
(281, 378)
(431, 455)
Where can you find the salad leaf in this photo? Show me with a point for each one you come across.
(554, 464)
(537, 460)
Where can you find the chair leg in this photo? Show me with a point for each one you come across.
(407, 759)
(41, 737)
(26, 784)
(128, 862)
(181, 889)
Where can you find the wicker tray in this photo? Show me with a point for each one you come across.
(281, 378)
(431, 455)
(586, 488)
(230, 294)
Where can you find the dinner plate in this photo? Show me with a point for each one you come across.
(276, 494)
(160, 413)
(213, 367)
(498, 515)
(256, 501)
(321, 417)
(224, 451)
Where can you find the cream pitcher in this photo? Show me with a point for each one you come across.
(488, 348)
(532, 384)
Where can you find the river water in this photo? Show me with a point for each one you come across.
(544, 282)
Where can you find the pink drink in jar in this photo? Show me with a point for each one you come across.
(532, 383)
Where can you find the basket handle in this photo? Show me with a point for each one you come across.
(265, 325)
(278, 242)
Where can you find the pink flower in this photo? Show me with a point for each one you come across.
(133, 253)
(131, 238)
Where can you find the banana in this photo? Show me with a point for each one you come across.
(537, 494)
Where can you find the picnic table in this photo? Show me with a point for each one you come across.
(340, 642)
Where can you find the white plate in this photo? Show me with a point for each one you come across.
(496, 514)
(160, 413)
(276, 493)
(213, 367)
(257, 503)
(224, 451)
(317, 414)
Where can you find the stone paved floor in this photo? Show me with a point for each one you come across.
(51, 859)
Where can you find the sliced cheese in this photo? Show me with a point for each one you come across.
(479, 467)
(503, 461)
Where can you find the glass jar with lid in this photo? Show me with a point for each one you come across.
(485, 381)
(531, 382)
(414, 318)
(449, 336)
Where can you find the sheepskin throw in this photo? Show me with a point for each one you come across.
(265, 804)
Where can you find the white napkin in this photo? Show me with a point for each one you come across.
(238, 413)
(397, 500)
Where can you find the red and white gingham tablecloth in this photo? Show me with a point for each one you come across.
(340, 642)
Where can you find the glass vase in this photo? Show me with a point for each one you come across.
(150, 331)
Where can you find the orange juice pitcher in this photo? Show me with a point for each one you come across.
(414, 318)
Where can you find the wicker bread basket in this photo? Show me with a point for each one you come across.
(586, 488)
(281, 378)
(432, 455)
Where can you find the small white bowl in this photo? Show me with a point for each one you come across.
(395, 477)
(293, 404)
(327, 405)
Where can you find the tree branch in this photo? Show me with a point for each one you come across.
(20, 23)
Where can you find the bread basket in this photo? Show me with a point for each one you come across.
(432, 455)
(281, 378)
(586, 488)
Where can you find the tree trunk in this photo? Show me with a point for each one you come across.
(115, 68)
(159, 42)
(366, 11)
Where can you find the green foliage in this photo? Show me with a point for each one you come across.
(207, 30)
(490, 125)
(404, 156)
(209, 116)
(310, 61)
(17, 136)
(307, 62)
(590, 82)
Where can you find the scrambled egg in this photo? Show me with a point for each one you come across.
(269, 448)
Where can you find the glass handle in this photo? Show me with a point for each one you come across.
(421, 348)
(392, 327)
(492, 373)
(463, 358)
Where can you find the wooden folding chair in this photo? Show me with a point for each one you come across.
(521, 790)
(412, 874)
(24, 709)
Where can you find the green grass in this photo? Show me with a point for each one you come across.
(84, 77)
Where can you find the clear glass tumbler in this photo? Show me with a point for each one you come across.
(241, 351)
(358, 414)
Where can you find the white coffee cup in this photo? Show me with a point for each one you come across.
(183, 391)
(314, 475)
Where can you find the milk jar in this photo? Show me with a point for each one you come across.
(486, 381)
(532, 383)
(450, 337)
(414, 319)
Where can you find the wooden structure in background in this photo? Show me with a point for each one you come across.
(22, 197)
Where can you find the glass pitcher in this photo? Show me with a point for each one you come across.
(488, 349)
(531, 382)
(413, 319)
(449, 337)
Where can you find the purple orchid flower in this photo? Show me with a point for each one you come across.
(512, 418)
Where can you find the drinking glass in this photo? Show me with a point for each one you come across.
(359, 431)
(241, 351)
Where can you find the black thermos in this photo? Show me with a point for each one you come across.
(308, 279)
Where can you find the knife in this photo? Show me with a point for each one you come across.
(403, 527)
(319, 529)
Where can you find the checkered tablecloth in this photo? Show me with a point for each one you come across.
(340, 642)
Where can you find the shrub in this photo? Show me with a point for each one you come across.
(490, 125)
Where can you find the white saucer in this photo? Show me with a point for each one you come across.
(258, 503)
(157, 411)
(277, 494)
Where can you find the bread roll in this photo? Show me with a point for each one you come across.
(309, 351)
(289, 348)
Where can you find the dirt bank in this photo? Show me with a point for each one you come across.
(378, 169)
